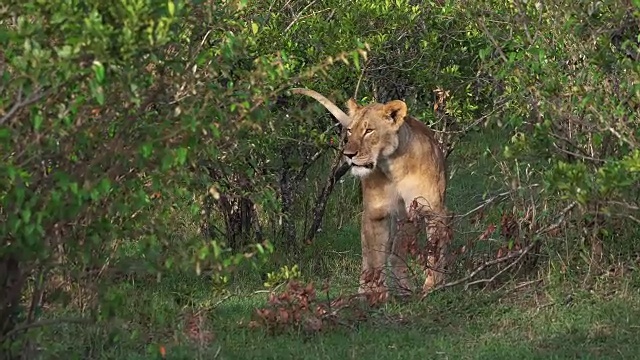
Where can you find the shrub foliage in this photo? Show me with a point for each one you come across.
(141, 136)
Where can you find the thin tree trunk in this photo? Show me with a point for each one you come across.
(286, 199)
(11, 283)
(338, 170)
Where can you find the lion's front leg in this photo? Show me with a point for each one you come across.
(406, 232)
(375, 251)
(439, 237)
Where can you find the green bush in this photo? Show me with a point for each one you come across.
(566, 81)
(143, 137)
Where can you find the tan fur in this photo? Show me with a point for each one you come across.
(398, 161)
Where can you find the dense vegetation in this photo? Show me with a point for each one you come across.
(151, 155)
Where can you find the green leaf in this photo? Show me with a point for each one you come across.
(37, 122)
(98, 70)
(65, 52)
(203, 253)
(20, 196)
(171, 7)
(28, 231)
(74, 188)
(104, 186)
(5, 133)
(146, 150)
(181, 156)
(217, 250)
(100, 96)
(254, 28)
(167, 161)
(97, 91)
(94, 195)
(26, 215)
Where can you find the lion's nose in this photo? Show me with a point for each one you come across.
(349, 153)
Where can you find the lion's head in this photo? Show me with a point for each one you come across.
(372, 134)
(372, 130)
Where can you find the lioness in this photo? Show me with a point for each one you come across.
(398, 160)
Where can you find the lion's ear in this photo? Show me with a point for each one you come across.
(396, 110)
(353, 106)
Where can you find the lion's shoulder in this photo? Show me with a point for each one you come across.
(420, 128)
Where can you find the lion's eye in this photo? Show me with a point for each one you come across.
(349, 132)
(368, 131)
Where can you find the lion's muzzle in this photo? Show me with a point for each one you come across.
(354, 161)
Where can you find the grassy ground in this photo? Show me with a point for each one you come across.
(548, 320)
(559, 316)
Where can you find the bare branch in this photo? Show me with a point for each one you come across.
(483, 266)
(19, 103)
(582, 154)
(633, 218)
(299, 15)
(583, 157)
(46, 322)
(623, 138)
(339, 169)
(516, 254)
(625, 204)
(495, 276)
(308, 163)
(493, 199)
(493, 41)
(364, 69)
(473, 124)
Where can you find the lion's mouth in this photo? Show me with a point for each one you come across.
(366, 166)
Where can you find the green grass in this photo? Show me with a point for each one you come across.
(551, 321)
(558, 317)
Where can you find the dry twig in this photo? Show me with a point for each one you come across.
(43, 323)
(516, 254)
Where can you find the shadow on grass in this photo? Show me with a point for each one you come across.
(453, 325)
